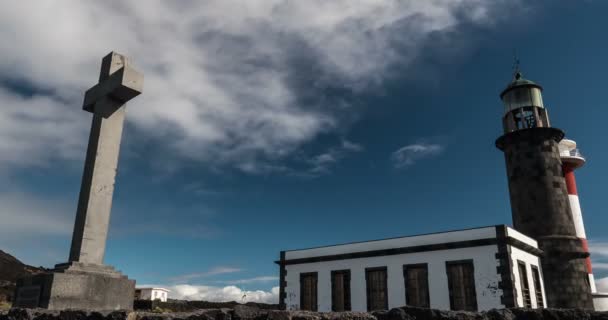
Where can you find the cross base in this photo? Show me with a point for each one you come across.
(76, 285)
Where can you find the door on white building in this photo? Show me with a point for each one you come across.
(461, 284)
(537, 288)
(524, 285)
(416, 278)
(377, 290)
(340, 290)
(308, 291)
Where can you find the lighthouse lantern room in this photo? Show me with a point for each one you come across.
(523, 105)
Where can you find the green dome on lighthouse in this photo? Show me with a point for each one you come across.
(519, 81)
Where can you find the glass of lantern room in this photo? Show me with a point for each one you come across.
(523, 104)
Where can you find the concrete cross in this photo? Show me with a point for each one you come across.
(118, 83)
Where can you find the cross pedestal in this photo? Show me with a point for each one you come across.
(84, 282)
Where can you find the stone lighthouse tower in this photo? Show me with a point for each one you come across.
(539, 195)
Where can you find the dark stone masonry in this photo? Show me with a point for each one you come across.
(249, 313)
(541, 210)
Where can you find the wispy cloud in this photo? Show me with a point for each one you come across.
(408, 155)
(307, 167)
(234, 83)
(251, 280)
(600, 266)
(599, 257)
(322, 163)
(262, 168)
(200, 189)
(599, 248)
(198, 275)
(351, 146)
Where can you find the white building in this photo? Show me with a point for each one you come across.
(474, 269)
(150, 293)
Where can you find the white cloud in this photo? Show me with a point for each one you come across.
(213, 272)
(228, 82)
(599, 257)
(222, 294)
(410, 154)
(306, 167)
(37, 129)
(231, 292)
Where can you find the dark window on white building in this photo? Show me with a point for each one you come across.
(377, 290)
(461, 284)
(416, 278)
(523, 283)
(340, 290)
(537, 287)
(308, 291)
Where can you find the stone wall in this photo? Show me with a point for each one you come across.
(541, 210)
(250, 313)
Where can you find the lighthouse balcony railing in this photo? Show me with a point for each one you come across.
(574, 153)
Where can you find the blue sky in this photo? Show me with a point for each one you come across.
(276, 125)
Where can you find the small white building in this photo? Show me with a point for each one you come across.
(150, 293)
(474, 269)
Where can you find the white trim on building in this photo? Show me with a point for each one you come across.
(600, 301)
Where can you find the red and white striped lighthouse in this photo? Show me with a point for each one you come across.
(572, 159)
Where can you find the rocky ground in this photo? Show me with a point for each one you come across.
(252, 313)
(186, 306)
